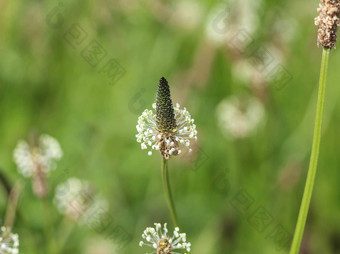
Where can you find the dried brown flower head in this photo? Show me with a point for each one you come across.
(328, 22)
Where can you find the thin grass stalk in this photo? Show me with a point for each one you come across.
(49, 227)
(13, 200)
(167, 190)
(307, 194)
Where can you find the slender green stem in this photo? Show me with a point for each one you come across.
(5, 183)
(64, 233)
(167, 190)
(301, 222)
(13, 200)
(49, 227)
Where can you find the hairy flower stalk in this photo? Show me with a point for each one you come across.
(328, 20)
(158, 239)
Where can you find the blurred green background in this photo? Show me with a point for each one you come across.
(83, 71)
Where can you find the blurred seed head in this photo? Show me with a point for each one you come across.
(78, 200)
(225, 21)
(100, 245)
(239, 117)
(9, 243)
(36, 159)
(167, 129)
(328, 22)
(157, 238)
(259, 69)
(285, 29)
(187, 15)
(46, 152)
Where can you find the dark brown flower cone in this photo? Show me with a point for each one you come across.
(165, 117)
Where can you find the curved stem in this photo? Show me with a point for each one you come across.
(167, 190)
(301, 222)
(5, 183)
(12, 204)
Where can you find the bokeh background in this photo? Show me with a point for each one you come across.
(247, 70)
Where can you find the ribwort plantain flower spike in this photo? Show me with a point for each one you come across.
(158, 238)
(165, 128)
(165, 117)
(328, 22)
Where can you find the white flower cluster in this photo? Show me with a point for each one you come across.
(45, 154)
(78, 200)
(240, 117)
(167, 143)
(9, 243)
(158, 238)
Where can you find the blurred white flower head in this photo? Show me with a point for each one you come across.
(239, 117)
(187, 14)
(44, 154)
(261, 68)
(78, 200)
(158, 239)
(285, 29)
(226, 21)
(100, 245)
(36, 159)
(9, 243)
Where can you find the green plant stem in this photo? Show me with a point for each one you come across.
(13, 200)
(307, 194)
(167, 190)
(5, 183)
(49, 230)
(64, 233)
